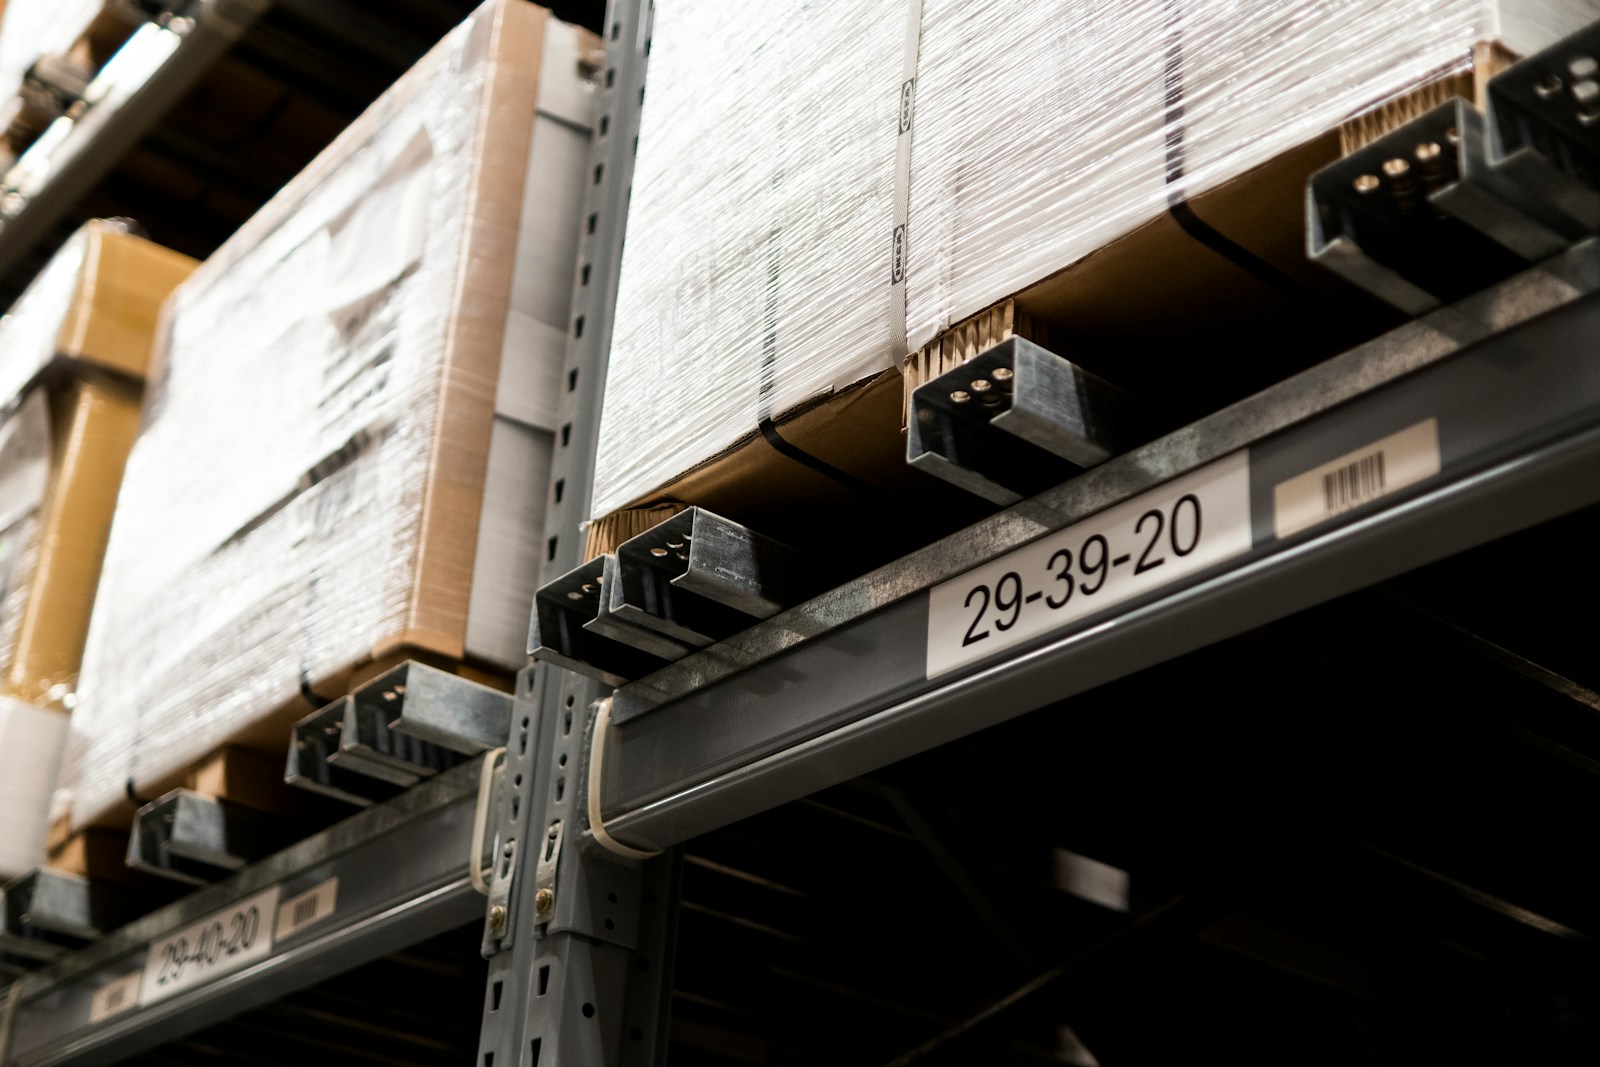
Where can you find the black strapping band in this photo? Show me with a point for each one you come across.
(311, 696)
(1178, 204)
(133, 795)
(770, 431)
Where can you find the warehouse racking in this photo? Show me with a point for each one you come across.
(591, 809)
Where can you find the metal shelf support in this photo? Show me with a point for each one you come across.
(358, 891)
(579, 941)
(1506, 376)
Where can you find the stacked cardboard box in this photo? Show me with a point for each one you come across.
(73, 352)
(338, 468)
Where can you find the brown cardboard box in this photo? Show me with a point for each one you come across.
(368, 494)
(93, 424)
(121, 287)
(72, 353)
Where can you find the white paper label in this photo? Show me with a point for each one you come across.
(219, 944)
(1356, 478)
(1141, 544)
(116, 997)
(312, 906)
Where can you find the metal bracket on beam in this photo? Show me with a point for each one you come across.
(369, 745)
(55, 82)
(46, 913)
(314, 745)
(437, 707)
(574, 627)
(1544, 130)
(1017, 419)
(1423, 216)
(698, 578)
(192, 838)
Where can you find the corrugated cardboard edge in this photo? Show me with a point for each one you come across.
(122, 288)
(605, 534)
(1488, 58)
(963, 341)
(453, 491)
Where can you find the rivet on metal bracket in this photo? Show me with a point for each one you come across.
(1422, 216)
(1017, 419)
(573, 627)
(1544, 130)
(698, 578)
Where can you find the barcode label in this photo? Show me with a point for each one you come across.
(312, 906)
(114, 998)
(1356, 478)
(1354, 484)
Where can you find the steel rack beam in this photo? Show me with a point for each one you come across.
(579, 940)
(104, 132)
(1487, 412)
(386, 878)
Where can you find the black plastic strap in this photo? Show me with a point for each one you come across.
(311, 696)
(1178, 204)
(133, 795)
(769, 430)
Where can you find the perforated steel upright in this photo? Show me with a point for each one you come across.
(578, 938)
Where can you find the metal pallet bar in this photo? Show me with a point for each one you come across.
(384, 879)
(1503, 384)
(579, 940)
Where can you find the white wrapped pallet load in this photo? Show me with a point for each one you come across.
(755, 273)
(30, 752)
(338, 467)
(1105, 113)
(990, 146)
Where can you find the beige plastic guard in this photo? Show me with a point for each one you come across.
(597, 825)
(493, 760)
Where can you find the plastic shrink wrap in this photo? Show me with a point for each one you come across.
(30, 751)
(72, 351)
(1123, 107)
(822, 186)
(337, 466)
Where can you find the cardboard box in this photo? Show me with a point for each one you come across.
(350, 421)
(50, 558)
(96, 303)
(72, 352)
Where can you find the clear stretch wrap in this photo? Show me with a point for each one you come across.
(30, 752)
(760, 254)
(1104, 110)
(24, 482)
(30, 332)
(28, 340)
(321, 465)
(756, 269)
